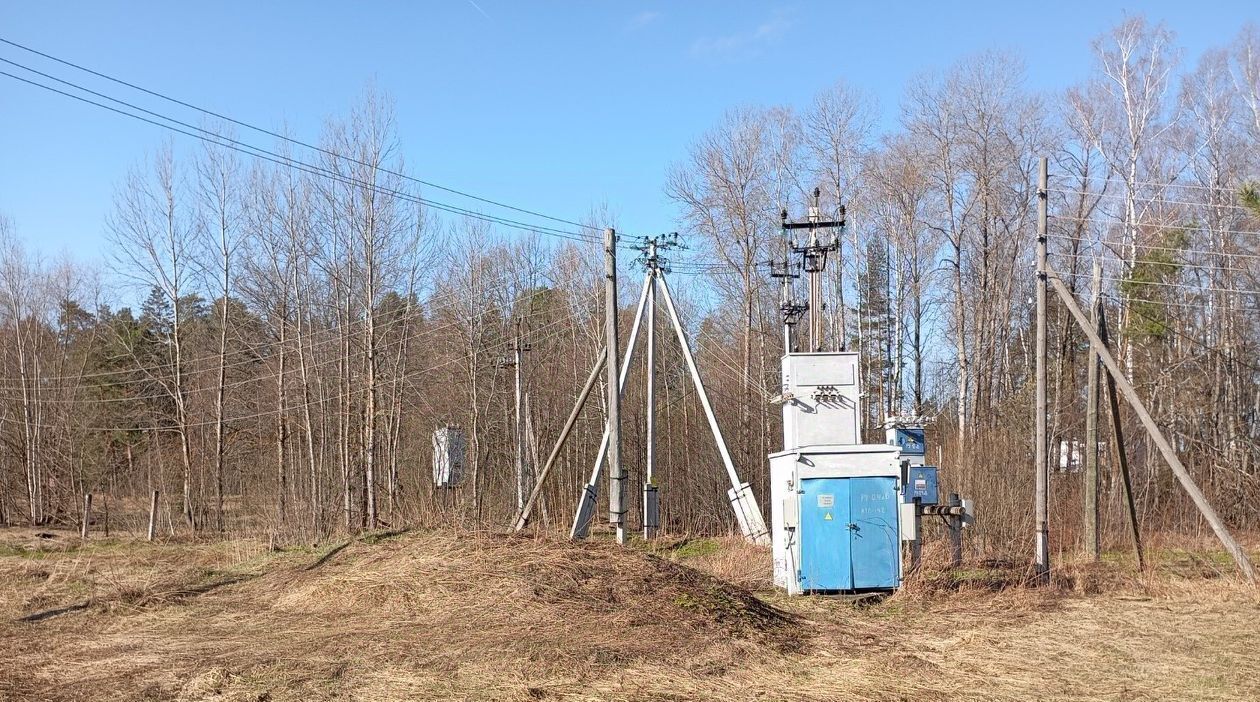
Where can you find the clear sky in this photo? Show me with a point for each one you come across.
(555, 106)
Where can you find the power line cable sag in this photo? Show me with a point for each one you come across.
(1148, 183)
(296, 164)
(288, 139)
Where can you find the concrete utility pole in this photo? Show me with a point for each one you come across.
(814, 257)
(616, 475)
(518, 355)
(1092, 545)
(747, 512)
(651, 497)
(153, 508)
(87, 515)
(586, 500)
(1161, 442)
(1040, 462)
(789, 308)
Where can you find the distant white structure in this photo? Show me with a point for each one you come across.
(449, 447)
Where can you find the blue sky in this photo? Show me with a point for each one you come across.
(548, 105)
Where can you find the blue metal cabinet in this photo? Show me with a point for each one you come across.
(875, 546)
(825, 541)
(849, 534)
(910, 440)
(922, 485)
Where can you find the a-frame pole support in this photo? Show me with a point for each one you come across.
(747, 512)
(1165, 448)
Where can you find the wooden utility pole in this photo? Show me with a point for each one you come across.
(1165, 448)
(1118, 453)
(616, 476)
(153, 505)
(87, 515)
(1092, 543)
(1040, 462)
(955, 525)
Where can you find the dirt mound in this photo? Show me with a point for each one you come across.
(528, 592)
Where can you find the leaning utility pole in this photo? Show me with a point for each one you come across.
(814, 255)
(522, 517)
(1092, 545)
(1040, 462)
(616, 475)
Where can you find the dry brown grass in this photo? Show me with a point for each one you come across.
(445, 615)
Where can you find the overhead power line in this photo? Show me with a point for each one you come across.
(1196, 265)
(288, 161)
(1149, 183)
(1205, 252)
(1149, 200)
(1103, 220)
(289, 139)
(1183, 286)
(323, 400)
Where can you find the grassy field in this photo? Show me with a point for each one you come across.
(445, 615)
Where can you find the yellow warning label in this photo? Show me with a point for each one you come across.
(827, 516)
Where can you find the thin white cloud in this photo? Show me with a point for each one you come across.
(643, 19)
(746, 43)
(478, 8)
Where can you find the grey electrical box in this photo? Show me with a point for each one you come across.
(820, 399)
(449, 448)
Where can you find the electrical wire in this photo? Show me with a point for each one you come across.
(1202, 227)
(1187, 264)
(1182, 286)
(1151, 201)
(1122, 181)
(296, 164)
(1174, 249)
(500, 287)
(1183, 335)
(226, 420)
(288, 139)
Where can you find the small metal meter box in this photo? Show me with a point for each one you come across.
(921, 485)
(449, 447)
(907, 434)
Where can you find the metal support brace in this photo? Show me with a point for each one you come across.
(747, 512)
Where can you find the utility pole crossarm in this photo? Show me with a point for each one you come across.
(1165, 448)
